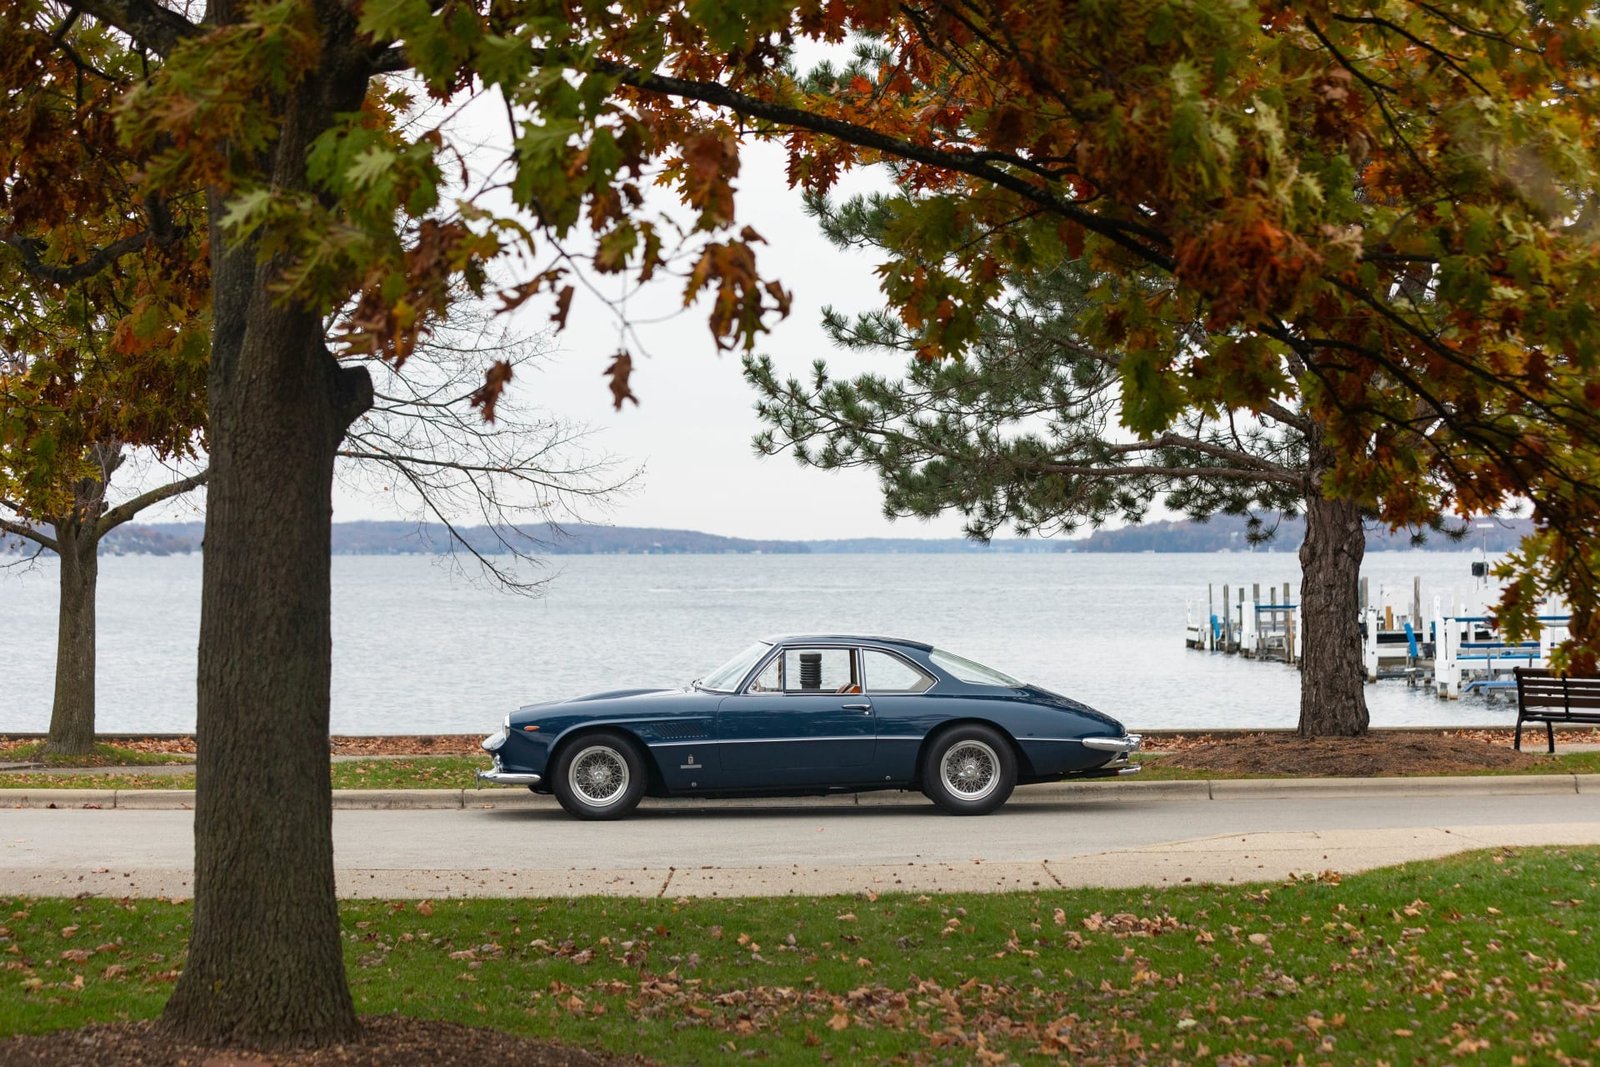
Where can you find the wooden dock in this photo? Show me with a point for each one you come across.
(1451, 651)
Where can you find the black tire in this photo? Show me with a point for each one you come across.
(969, 770)
(599, 776)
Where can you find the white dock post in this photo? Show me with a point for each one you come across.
(1446, 664)
(1289, 644)
(1300, 635)
(1439, 650)
(1249, 632)
(1211, 615)
(1370, 644)
(1228, 619)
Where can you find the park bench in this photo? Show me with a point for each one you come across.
(1552, 698)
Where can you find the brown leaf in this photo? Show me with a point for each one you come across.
(495, 380)
(563, 305)
(619, 371)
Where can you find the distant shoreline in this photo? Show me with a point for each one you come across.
(394, 538)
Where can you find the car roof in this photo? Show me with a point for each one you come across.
(847, 639)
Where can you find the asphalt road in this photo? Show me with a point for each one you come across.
(1040, 839)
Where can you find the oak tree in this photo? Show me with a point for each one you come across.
(102, 325)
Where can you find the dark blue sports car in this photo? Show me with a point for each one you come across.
(811, 714)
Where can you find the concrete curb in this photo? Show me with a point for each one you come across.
(1473, 786)
(502, 798)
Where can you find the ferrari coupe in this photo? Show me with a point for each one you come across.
(805, 715)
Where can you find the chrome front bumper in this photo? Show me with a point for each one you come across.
(499, 777)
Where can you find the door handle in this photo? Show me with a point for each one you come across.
(857, 707)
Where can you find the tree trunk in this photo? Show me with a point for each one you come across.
(72, 714)
(1333, 700)
(265, 966)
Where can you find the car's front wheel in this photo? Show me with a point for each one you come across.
(599, 776)
(969, 770)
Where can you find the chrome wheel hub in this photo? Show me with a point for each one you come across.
(970, 769)
(599, 775)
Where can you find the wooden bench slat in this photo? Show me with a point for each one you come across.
(1548, 698)
(1564, 701)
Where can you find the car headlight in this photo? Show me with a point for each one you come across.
(494, 741)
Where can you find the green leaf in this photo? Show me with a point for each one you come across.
(246, 212)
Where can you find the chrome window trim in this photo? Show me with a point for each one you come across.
(748, 678)
(866, 682)
(779, 650)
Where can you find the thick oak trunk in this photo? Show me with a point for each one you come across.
(72, 713)
(1333, 700)
(265, 965)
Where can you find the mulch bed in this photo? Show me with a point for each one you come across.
(386, 1041)
(1380, 754)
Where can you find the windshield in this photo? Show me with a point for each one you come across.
(727, 677)
(966, 670)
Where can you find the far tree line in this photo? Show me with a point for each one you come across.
(1225, 533)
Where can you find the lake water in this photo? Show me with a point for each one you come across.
(419, 649)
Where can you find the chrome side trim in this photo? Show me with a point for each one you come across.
(1055, 740)
(1129, 743)
(770, 740)
(499, 777)
(1125, 771)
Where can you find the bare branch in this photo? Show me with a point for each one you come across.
(125, 511)
(28, 249)
(43, 540)
(148, 23)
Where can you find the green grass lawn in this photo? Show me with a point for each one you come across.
(1487, 958)
(103, 755)
(410, 772)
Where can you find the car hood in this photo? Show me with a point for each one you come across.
(610, 694)
(623, 702)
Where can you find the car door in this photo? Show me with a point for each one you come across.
(903, 712)
(801, 722)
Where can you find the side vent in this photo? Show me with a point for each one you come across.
(684, 730)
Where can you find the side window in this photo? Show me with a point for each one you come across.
(770, 680)
(891, 674)
(818, 670)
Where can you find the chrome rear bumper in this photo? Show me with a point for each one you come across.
(1129, 743)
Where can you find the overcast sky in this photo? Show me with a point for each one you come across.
(691, 431)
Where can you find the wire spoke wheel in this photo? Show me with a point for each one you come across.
(970, 770)
(599, 774)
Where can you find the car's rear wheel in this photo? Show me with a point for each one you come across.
(969, 770)
(599, 776)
